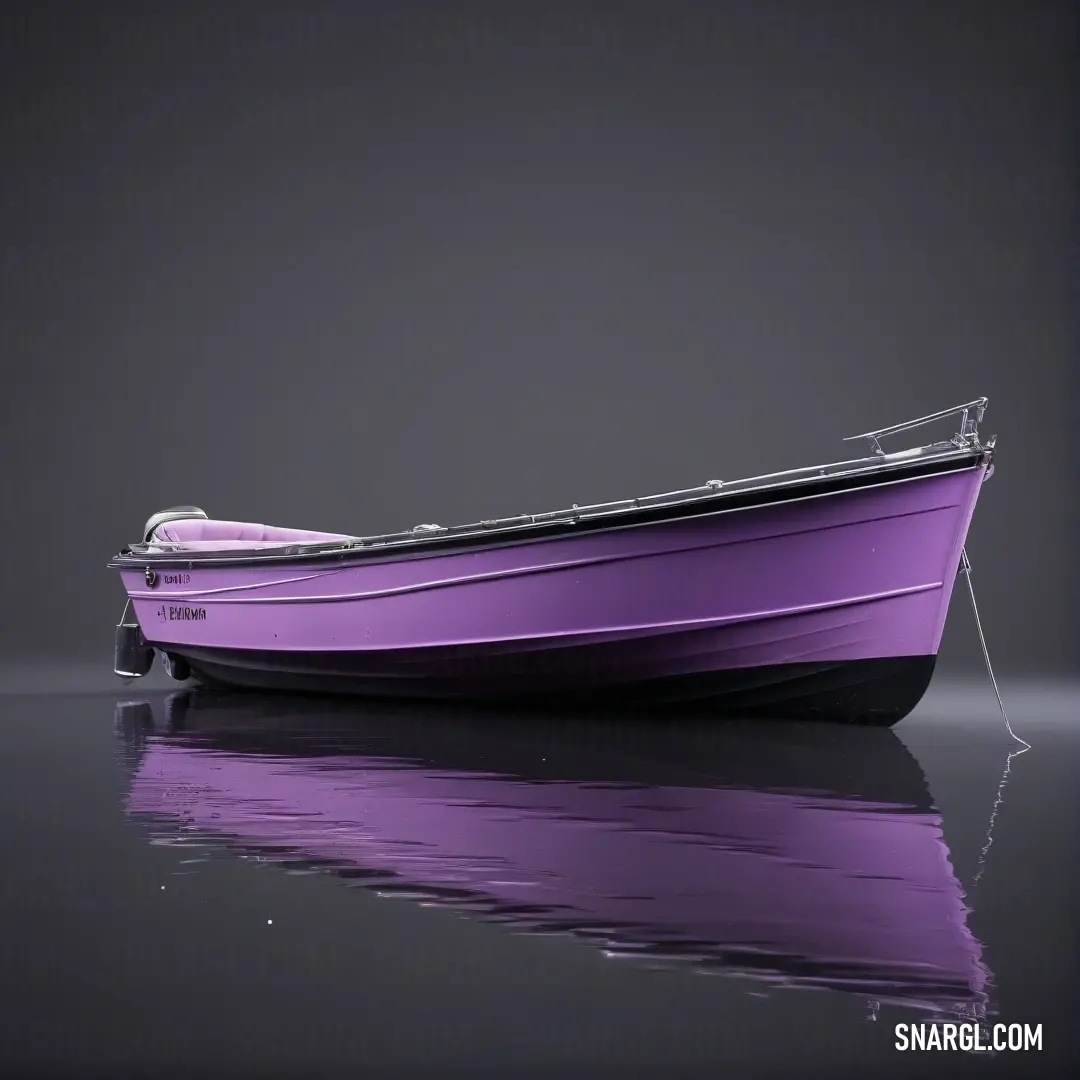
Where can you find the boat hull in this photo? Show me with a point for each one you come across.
(873, 691)
(829, 607)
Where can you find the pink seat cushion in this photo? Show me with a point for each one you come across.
(201, 531)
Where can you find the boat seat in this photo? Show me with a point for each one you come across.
(206, 532)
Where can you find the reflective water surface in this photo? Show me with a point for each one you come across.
(209, 884)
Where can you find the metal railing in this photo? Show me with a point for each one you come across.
(967, 436)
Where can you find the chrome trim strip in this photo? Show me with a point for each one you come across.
(135, 562)
(963, 444)
(672, 499)
(217, 596)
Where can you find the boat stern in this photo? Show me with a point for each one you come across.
(133, 654)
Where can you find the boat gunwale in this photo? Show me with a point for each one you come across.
(705, 500)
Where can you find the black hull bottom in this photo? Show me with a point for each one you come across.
(880, 692)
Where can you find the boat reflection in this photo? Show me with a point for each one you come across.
(807, 855)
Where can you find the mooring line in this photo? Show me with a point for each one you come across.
(965, 568)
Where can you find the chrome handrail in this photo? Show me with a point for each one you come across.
(967, 436)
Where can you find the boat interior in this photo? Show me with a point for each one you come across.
(201, 532)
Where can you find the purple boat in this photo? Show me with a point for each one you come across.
(819, 592)
(800, 854)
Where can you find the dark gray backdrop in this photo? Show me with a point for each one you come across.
(357, 266)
